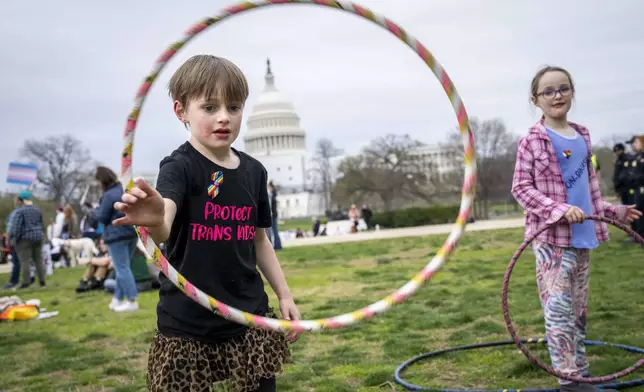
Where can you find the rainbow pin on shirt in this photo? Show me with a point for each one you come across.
(217, 178)
(567, 154)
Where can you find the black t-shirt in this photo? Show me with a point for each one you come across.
(212, 241)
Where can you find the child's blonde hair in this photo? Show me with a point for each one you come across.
(210, 77)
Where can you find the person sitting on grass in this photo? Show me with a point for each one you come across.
(97, 270)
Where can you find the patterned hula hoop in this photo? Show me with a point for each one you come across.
(413, 387)
(367, 312)
(512, 331)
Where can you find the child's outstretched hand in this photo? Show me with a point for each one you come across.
(632, 214)
(290, 312)
(143, 206)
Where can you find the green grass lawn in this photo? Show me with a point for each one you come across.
(293, 224)
(89, 348)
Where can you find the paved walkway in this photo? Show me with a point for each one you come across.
(418, 231)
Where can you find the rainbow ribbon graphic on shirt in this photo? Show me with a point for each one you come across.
(217, 178)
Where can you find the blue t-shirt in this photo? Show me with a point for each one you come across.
(572, 154)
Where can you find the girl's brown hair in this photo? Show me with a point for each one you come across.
(106, 177)
(534, 86)
(68, 212)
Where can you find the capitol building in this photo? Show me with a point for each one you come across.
(275, 137)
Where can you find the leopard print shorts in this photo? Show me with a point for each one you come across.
(179, 364)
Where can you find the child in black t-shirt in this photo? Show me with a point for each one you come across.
(211, 209)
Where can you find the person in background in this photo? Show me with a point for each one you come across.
(60, 222)
(89, 223)
(97, 270)
(621, 172)
(50, 230)
(635, 179)
(367, 215)
(272, 195)
(27, 232)
(316, 226)
(4, 248)
(121, 241)
(15, 267)
(354, 217)
(71, 228)
(55, 238)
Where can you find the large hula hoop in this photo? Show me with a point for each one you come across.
(347, 319)
(413, 387)
(510, 326)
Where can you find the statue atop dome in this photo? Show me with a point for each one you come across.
(269, 78)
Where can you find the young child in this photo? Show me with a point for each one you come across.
(211, 208)
(554, 179)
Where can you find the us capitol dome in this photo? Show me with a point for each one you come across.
(275, 137)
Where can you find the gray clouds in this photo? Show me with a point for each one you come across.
(75, 66)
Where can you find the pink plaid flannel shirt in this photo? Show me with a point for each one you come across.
(539, 188)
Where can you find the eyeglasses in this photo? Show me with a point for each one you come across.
(551, 93)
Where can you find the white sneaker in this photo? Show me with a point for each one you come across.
(126, 306)
(115, 302)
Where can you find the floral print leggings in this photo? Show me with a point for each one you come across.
(562, 280)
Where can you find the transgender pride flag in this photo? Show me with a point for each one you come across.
(22, 173)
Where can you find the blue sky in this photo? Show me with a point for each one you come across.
(74, 66)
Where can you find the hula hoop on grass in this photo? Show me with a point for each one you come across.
(413, 387)
(344, 320)
(513, 333)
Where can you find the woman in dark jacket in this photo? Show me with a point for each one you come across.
(120, 240)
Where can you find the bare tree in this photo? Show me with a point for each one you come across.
(325, 151)
(496, 149)
(397, 158)
(64, 165)
(387, 168)
(354, 180)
